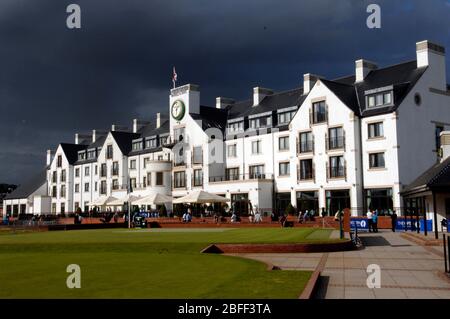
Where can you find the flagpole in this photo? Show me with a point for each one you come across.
(128, 204)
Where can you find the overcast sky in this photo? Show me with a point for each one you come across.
(55, 82)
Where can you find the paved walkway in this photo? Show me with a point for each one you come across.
(407, 269)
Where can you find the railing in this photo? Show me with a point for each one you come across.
(179, 163)
(305, 147)
(305, 175)
(237, 177)
(336, 171)
(197, 182)
(335, 142)
(114, 172)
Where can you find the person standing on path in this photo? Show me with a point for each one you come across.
(394, 220)
(375, 222)
(369, 220)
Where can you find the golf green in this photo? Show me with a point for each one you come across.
(160, 263)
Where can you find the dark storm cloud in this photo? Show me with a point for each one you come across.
(55, 82)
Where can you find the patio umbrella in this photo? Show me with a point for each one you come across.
(102, 201)
(128, 198)
(153, 199)
(201, 197)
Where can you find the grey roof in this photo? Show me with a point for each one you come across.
(211, 117)
(402, 77)
(436, 177)
(28, 188)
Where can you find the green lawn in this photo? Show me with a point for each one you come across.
(160, 263)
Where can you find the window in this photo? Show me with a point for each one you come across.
(95, 186)
(133, 183)
(91, 154)
(376, 160)
(63, 175)
(198, 177)
(95, 170)
(54, 177)
(375, 130)
(109, 151)
(379, 199)
(179, 179)
(178, 134)
(136, 145)
(81, 156)
(59, 161)
(86, 187)
(150, 143)
(63, 208)
(256, 171)
(144, 181)
(77, 205)
(197, 155)
(235, 127)
(133, 164)
(103, 187)
(115, 184)
(256, 147)
(336, 138)
(103, 170)
(261, 122)
(231, 150)
(77, 172)
(86, 171)
(379, 99)
(306, 171)
(163, 140)
(285, 117)
(232, 174)
(283, 143)
(159, 179)
(306, 143)
(160, 157)
(77, 188)
(337, 167)
(319, 112)
(283, 169)
(115, 168)
(437, 132)
(54, 192)
(62, 191)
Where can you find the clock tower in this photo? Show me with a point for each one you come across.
(182, 101)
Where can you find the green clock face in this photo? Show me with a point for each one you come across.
(178, 110)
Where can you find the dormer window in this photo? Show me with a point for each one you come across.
(91, 154)
(378, 98)
(235, 127)
(137, 145)
(151, 143)
(81, 156)
(285, 117)
(162, 140)
(260, 122)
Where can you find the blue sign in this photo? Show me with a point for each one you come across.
(360, 223)
(412, 224)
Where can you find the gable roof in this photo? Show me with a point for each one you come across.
(26, 189)
(437, 176)
(71, 151)
(124, 140)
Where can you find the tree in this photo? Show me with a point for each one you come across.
(290, 210)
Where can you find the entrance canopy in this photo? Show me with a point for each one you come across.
(201, 197)
(153, 199)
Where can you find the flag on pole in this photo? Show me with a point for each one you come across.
(174, 77)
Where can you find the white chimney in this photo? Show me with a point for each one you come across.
(96, 134)
(259, 93)
(80, 138)
(121, 128)
(158, 120)
(362, 68)
(49, 157)
(138, 124)
(223, 102)
(445, 145)
(308, 82)
(432, 55)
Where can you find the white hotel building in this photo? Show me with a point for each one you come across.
(355, 142)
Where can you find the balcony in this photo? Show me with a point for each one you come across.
(336, 172)
(240, 177)
(115, 172)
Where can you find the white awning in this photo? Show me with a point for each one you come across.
(201, 197)
(153, 199)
